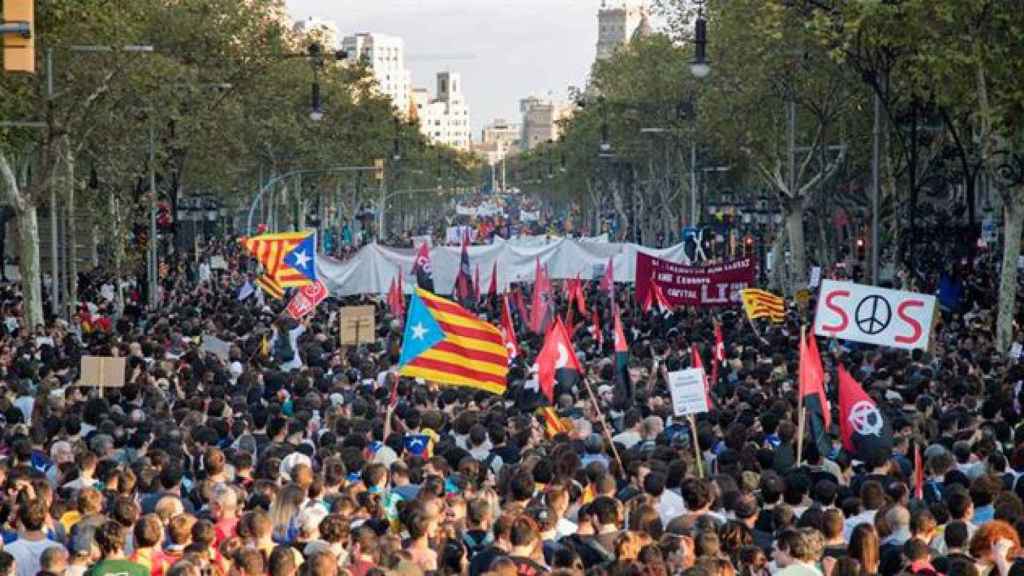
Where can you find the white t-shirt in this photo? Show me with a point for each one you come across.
(27, 553)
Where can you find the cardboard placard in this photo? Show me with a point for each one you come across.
(688, 393)
(102, 372)
(358, 325)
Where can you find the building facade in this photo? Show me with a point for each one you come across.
(326, 31)
(617, 21)
(444, 119)
(385, 56)
(541, 118)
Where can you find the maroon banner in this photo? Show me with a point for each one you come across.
(712, 285)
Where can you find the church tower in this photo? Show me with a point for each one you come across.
(617, 21)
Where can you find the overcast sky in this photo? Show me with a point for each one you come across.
(518, 48)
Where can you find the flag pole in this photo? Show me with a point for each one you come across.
(604, 422)
(801, 410)
(696, 446)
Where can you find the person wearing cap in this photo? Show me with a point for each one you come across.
(83, 551)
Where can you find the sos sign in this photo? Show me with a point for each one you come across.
(873, 315)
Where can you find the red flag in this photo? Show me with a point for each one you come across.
(812, 377)
(697, 362)
(598, 332)
(492, 292)
(864, 431)
(580, 296)
(656, 296)
(540, 307)
(524, 314)
(556, 354)
(620, 336)
(718, 354)
(918, 474)
(508, 329)
(608, 280)
(392, 291)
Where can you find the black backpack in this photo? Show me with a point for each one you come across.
(283, 351)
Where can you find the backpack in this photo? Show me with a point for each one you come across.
(283, 351)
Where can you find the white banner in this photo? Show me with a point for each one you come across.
(371, 270)
(529, 216)
(688, 393)
(465, 210)
(894, 318)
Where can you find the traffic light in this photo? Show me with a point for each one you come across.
(860, 249)
(748, 246)
(378, 169)
(18, 27)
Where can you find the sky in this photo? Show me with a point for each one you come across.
(505, 50)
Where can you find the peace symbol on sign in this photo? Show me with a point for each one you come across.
(873, 314)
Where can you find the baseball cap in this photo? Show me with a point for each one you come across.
(83, 541)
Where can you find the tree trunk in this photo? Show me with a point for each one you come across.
(1013, 216)
(72, 231)
(795, 229)
(28, 264)
(777, 281)
(28, 246)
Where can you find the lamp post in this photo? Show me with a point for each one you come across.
(317, 60)
(700, 67)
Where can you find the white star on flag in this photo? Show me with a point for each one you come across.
(301, 259)
(419, 331)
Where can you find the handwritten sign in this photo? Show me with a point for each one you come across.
(688, 393)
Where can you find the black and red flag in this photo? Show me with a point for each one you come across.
(625, 390)
(422, 268)
(463, 280)
(865, 431)
(812, 394)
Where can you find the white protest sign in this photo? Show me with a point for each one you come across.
(872, 315)
(218, 263)
(688, 393)
(815, 277)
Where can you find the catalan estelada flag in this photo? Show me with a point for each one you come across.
(289, 258)
(270, 286)
(763, 304)
(445, 343)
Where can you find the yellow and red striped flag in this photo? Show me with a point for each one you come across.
(270, 286)
(553, 423)
(287, 257)
(763, 304)
(443, 342)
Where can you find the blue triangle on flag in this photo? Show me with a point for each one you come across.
(422, 332)
(302, 258)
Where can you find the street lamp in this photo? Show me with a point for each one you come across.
(317, 59)
(700, 67)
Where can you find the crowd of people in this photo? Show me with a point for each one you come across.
(289, 455)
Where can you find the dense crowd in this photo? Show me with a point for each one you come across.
(289, 453)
